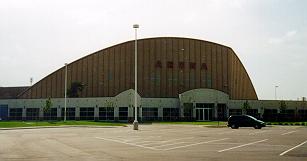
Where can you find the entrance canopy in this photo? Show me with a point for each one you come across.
(204, 95)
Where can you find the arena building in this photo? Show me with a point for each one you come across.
(178, 79)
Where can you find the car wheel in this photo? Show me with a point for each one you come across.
(257, 127)
(233, 126)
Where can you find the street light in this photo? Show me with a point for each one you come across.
(275, 92)
(135, 122)
(65, 92)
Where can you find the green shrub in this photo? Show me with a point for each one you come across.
(303, 123)
(279, 123)
(268, 123)
(285, 123)
(297, 124)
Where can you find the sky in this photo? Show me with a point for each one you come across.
(38, 37)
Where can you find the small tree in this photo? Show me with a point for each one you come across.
(47, 106)
(245, 107)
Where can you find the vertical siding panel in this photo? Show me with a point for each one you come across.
(186, 71)
(224, 70)
(146, 69)
(128, 60)
(84, 77)
(34, 89)
(44, 88)
(192, 60)
(181, 76)
(203, 78)
(122, 65)
(116, 69)
(229, 71)
(158, 70)
(90, 76)
(95, 75)
(152, 60)
(197, 59)
(176, 51)
(54, 85)
(219, 76)
(69, 73)
(106, 64)
(49, 86)
(140, 68)
(214, 67)
(164, 68)
(169, 71)
(101, 74)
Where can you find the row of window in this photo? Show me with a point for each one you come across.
(151, 113)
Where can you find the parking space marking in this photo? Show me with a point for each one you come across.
(242, 145)
(159, 142)
(107, 139)
(168, 144)
(281, 154)
(259, 132)
(196, 144)
(290, 132)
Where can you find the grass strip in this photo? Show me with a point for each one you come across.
(12, 124)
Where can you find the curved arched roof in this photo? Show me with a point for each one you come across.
(167, 66)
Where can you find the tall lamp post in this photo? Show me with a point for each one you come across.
(135, 122)
(65, 92)
(276, 92)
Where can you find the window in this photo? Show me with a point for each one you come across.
(235, 112)
(86, 113)
(149, 114)
(32, 113)
(270, 115)
(123, 113)
(15, 113)
(302, 115)
(70, 113)
(51, 114)
(170, 114)
(106, 113)
(253, 112)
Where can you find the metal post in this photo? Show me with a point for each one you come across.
(65, 92)
(135, 122)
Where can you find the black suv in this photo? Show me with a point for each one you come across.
(236, 121)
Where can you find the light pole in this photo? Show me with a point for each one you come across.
(135, 122)
(276, 92)
(65, 92)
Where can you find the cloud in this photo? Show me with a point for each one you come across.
(286, 37)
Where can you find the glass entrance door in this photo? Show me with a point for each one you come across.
(203, 114)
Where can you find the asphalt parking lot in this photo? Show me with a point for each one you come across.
(155, 142)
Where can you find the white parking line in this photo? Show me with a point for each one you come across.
(290, 132)
(259, 132)
(168, 144)
(158, 142)
(281, 154)
(196, 144)
(126, 143)
(242, 145)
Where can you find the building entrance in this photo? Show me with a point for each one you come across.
(204, 111)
